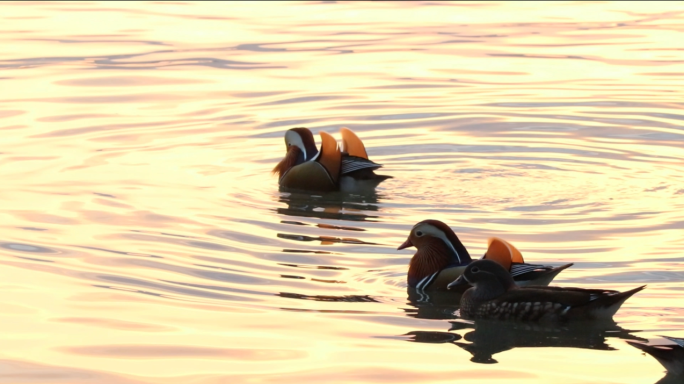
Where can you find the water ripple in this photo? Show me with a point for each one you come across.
(141, 220)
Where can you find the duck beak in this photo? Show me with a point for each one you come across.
(461, 281)
(406, 244)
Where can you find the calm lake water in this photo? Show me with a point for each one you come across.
(144, 239)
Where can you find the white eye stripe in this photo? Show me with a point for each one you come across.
(432, 230)
(293, 138)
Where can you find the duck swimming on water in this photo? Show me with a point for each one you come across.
(441, 258)
(495, 296)
(330, 169)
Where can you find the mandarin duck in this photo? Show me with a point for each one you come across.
(669, 356)
(441, 258)
(495, 296)
(330, 169)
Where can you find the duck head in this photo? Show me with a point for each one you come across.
(438, 248)
(300, 146)
(488, 278)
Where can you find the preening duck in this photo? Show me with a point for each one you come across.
(330, 169)
(495, 296)
(441, 258)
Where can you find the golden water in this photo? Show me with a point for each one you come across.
(144, 240)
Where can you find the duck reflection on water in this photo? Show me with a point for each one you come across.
(343, 206)
(491, 337)
(331, 205)
(488, 338)
(432, 304)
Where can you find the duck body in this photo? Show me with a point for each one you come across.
(669, 356)
(441, 258)
(330, 169)
(495, 296)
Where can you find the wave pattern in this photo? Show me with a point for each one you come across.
(140, 221)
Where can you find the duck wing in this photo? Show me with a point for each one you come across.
(533, 274)
(555, 303)
(352, 145)
(352, 164)
(556, 295)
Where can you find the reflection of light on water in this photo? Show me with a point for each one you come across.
(138, 208)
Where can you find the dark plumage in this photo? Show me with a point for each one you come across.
(669, 356)
(494, 295)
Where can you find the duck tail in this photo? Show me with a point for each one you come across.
(605, 306)
(541, 278)
(554, 272)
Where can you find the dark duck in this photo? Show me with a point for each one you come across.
(495, 296)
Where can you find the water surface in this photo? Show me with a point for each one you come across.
(144, 239)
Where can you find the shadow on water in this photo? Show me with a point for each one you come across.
(432, 305)
(332, 205)
(483, 339)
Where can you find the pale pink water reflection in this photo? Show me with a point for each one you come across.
(144, 239)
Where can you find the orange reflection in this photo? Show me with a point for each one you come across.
(144, 239)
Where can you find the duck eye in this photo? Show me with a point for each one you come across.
(419, 233)
(475, 270)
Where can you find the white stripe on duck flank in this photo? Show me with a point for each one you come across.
(427, 280)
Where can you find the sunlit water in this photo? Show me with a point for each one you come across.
(144, 239)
